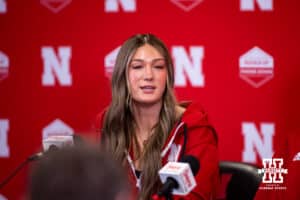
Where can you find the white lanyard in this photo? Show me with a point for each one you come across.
(163, 153)
(137, 179)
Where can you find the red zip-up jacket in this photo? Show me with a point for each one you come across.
(201, 143)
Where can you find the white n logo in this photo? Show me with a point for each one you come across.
(56, 67)
(3, 6)
(253, 141)
(188, 67)
(113, 5)
(249, 5)
(4, 148)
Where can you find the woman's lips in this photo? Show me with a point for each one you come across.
(148, 89)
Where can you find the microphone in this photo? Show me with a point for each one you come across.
(50, 144)
(53, 143)
(178, 177)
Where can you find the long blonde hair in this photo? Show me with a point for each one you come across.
(119, 124)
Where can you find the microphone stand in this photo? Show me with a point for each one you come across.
(77, 141)
(17, 169)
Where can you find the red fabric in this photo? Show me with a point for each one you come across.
(288, 148)
(201, 143)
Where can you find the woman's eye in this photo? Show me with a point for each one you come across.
(159, 66)
(136, 66)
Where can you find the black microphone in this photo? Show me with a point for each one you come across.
(178, 177)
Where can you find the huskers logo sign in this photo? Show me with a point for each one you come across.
(256, 67)
(272, 170)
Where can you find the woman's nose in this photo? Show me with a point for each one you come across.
(148, 73)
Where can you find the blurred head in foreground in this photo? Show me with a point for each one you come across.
(77, 173)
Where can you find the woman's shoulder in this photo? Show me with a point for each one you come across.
(196, 119)
(179, 111)
(193, 111)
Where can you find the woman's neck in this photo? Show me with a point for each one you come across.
(146, 116)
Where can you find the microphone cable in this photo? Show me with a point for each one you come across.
(17, 169)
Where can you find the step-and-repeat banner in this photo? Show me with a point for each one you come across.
(238, 58)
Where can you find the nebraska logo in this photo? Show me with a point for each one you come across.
(56, 66)
(256, 67)
(272, 172)
(186, 5)
(55, 5)
(188, 66)
(4, 65)
(257, 140)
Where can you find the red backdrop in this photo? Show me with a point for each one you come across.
(239, 59)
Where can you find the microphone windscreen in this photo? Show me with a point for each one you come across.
(58, 141)
(193, 162)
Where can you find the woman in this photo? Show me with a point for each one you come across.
(144, 127)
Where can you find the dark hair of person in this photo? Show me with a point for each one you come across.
(79, 173)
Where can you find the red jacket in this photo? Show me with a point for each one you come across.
(201, 143)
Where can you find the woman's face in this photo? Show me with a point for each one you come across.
(147, 75)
